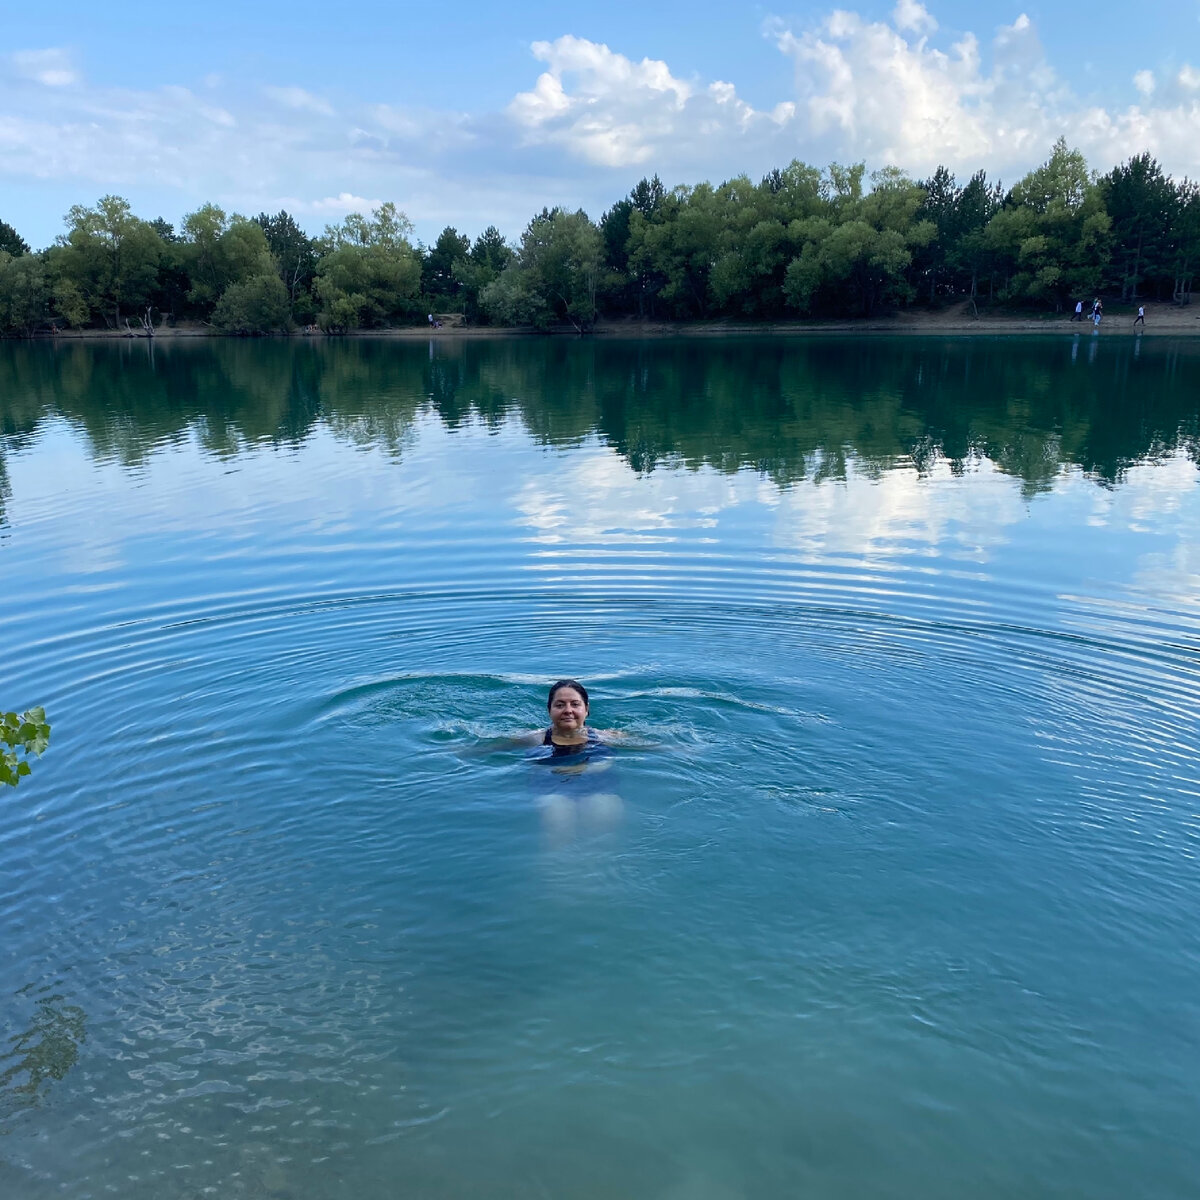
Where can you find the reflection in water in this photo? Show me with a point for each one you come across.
(788, 409)
(45, 1051)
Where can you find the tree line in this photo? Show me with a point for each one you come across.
(800, 242)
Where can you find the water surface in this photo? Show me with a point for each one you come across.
(901, 897)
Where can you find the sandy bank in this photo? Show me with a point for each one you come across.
(1161, 319)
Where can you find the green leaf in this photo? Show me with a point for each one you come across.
(30, 733)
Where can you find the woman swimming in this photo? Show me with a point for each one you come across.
(568, 734)
(574, 750)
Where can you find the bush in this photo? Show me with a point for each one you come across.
(257, 305)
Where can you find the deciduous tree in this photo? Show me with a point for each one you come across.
(108, 258)
(24, 293)
(369, 271)
(555, 275)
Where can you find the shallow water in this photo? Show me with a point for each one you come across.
(900, 898)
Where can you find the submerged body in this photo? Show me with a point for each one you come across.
(578, 758)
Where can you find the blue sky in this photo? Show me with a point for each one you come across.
(468, 114)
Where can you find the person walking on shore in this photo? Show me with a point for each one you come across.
(1140, 319)
(1078, 311)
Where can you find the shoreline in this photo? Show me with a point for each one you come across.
(1165, 319)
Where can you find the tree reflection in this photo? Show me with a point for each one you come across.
(789, 409)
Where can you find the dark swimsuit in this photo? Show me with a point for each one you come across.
(582, 752)
(556, 751)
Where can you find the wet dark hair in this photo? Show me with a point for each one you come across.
(571, 683)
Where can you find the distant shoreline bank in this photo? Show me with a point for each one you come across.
(1168, 319)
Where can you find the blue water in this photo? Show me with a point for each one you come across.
(898, 892)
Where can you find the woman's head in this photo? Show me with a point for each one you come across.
(572, 684)
(567, 704)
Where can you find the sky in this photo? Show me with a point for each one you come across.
(471, 114)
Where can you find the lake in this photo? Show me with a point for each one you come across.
(893, 890)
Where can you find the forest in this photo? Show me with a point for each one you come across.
(802, 242)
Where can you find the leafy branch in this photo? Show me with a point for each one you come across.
(27, 734)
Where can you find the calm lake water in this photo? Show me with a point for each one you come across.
(900, 894)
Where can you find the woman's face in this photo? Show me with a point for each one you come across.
(568, 710)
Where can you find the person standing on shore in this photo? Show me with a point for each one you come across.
(1078, 311)
(1140, 319)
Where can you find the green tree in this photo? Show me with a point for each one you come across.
(751, 252)
(107, 260)
(173, 284)
(1185, 241)
(295, 255)
(1142, 204)
(488, 257)
(259, 304)
(439, 283)
(629, 288)
(11, 242)
(555, 275)
(21, 736)
(674, 249)
(1050, 237)
(862, 254)
(221, 251)
(24, 293)
(165, 230)
(940, 206)
(968, 252)
(368, 272)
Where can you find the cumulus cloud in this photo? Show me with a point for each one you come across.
(339, 205)
(867, 90)
(298, 99)
(909, 15)
(600, 105)
(877, 90)
(50, 68)
(607, 110)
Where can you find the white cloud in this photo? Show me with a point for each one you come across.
(615, 109)
(50, 68)
(909, 15)
(339, 205)
(298, 99)
(867, 91)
